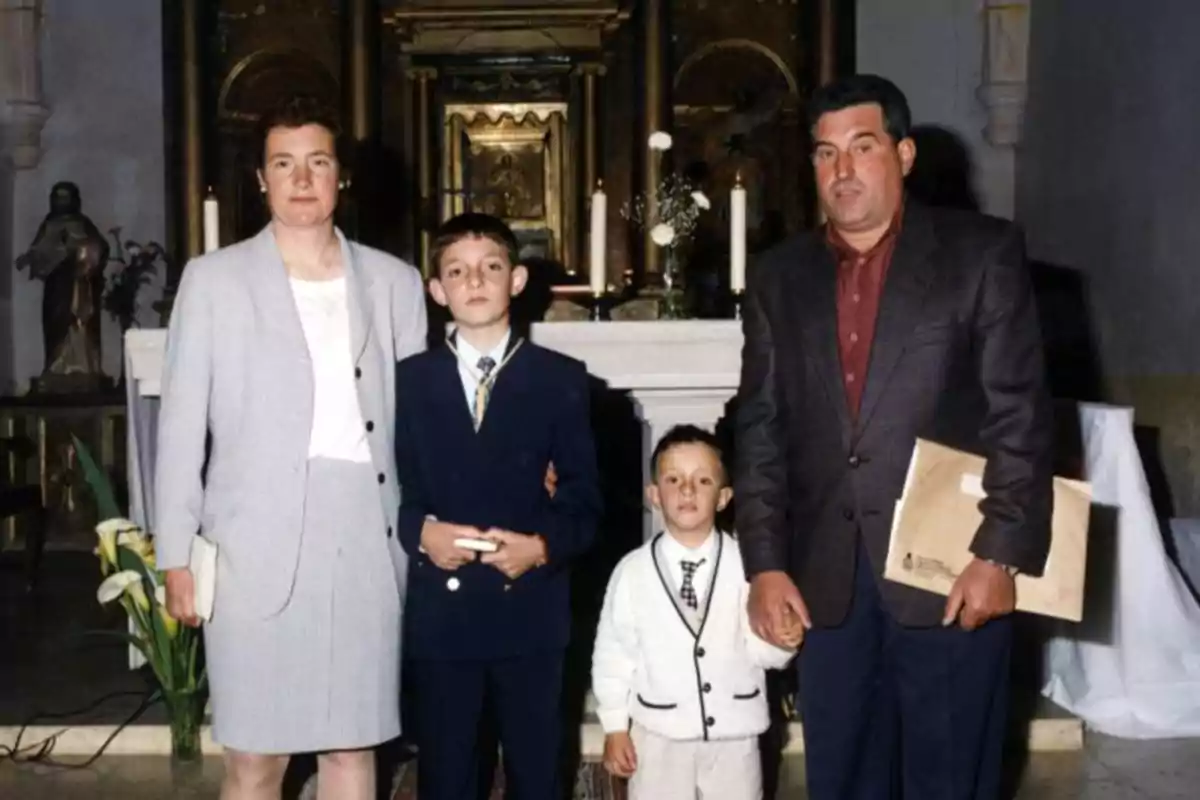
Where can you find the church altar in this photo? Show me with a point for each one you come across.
(675, 372)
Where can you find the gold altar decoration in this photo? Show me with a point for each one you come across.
(512, 160)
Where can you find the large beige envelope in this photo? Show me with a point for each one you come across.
(937, 517)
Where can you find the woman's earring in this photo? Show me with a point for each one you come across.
(262, 189)
(343, 184)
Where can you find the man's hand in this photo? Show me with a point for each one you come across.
(518, 553)
(437, 540)
(181, 596)
(551, 480)
(620, 756)
(775, 606)
(982, 592)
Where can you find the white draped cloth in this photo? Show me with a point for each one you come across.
(1132, 667)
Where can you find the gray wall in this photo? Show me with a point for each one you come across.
(1109, 185)
(934, 51)
(102, 79)
(1109, 173)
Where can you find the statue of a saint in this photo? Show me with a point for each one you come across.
(69, 255)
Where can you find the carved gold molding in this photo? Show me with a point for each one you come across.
(471, 128)
(517, 27)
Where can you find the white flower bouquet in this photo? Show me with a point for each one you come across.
(679, 203)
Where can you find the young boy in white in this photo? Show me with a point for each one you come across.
(674, 651)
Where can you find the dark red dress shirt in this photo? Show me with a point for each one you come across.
(860, 278)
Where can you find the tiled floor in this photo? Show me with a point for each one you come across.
(1109, 769)
(47, 663)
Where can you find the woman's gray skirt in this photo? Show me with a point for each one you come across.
(324, 673)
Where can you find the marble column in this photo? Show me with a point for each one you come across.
(22, 112)
(22, 116)
(1005, 70)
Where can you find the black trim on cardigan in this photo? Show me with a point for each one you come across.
(657, 706)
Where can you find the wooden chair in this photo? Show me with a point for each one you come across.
(23, 498)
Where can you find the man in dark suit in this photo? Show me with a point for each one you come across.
(892, 321)
(480, 421)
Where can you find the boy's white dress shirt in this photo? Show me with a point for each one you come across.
(468, 358)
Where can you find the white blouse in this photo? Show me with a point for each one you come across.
(338, 430)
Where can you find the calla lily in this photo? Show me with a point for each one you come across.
(138, 592)
(108, 531)
(701, 200)
(107, 551)
(116, 585)
(662, 234)
(660, 140)
(116, 525)
(169, 623)
(139, 543)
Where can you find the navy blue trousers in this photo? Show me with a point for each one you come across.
(453, 701)
(895, 712)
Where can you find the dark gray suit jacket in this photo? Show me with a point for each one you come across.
(957, 358)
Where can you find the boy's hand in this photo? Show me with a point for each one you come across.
(518, 553)
(620, 756)
(437, 540)
(792, 634)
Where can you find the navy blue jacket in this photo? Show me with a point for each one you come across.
(538, 413)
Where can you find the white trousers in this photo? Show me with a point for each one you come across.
(695, 770)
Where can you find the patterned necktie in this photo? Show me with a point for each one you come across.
(687, 592)
(483, 389)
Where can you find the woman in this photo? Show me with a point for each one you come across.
(283, 349)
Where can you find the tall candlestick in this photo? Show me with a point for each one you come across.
(212, 223)
(597, 273)
(737, 236)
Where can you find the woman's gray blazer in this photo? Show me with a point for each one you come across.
(237, 366)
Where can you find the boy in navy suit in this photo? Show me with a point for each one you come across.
(479, 423)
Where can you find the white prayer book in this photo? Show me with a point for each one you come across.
(203, 566)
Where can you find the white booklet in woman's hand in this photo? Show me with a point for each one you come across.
(203, 566)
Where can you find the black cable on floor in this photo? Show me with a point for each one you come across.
(42, 750)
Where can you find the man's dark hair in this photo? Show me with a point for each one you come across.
(296, 112)
(472, 224)
(857, 90)
(684, 434)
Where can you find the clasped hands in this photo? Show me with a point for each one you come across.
(984, 591)
(517, 554)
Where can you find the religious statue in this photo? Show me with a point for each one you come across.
(69, 255)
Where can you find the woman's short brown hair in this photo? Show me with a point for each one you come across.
(296, 112)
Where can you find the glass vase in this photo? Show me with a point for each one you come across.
(673, 303)
(185, 710)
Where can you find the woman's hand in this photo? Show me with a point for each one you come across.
(181, 596)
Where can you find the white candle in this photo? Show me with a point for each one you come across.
(212, 224)
(597, 274)
(737, 237)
